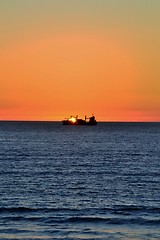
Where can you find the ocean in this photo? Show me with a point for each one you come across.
(79, 182)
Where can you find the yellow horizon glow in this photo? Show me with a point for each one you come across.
(72, 119)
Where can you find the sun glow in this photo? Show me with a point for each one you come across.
(72, 119)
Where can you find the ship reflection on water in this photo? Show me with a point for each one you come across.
(78, 121)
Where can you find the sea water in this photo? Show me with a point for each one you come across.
(79, 182)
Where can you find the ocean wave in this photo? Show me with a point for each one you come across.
(117, 209)
(103, 220)
(54, 220)
(133, 208)
(18, 209)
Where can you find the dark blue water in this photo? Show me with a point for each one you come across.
(79, 182)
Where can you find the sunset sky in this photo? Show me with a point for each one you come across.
(77, 57)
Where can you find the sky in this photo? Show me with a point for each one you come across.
(80, 57)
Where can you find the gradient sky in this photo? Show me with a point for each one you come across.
(75, 57)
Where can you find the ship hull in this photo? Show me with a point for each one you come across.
(66, 122)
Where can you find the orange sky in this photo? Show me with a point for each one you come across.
(54, 66)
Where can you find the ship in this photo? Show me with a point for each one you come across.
(91, 121)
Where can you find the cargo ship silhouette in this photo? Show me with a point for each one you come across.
(77, 121)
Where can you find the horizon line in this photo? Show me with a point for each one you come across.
(101, 121)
